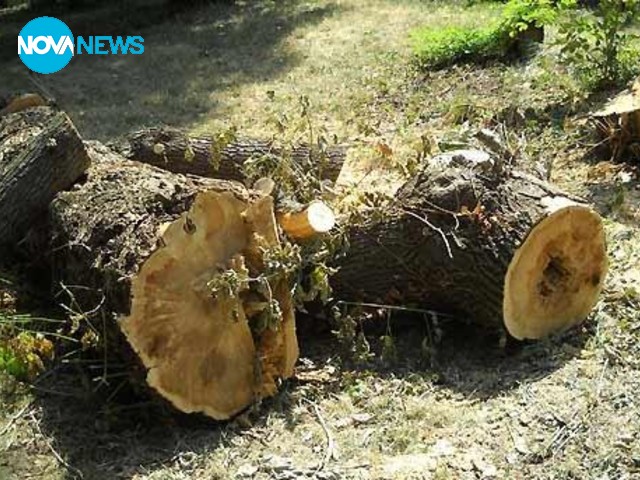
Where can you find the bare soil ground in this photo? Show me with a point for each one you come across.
(462, 407)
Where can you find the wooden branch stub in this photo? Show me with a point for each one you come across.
(264, 185)
(175, 151)
(315, 219)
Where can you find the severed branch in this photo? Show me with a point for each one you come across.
(207, 156)
(315, 219)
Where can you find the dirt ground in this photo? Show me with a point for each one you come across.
(463, 407)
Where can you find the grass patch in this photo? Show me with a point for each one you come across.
(438, 48)
(600, 46)
(521, 21)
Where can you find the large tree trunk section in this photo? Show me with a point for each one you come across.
(173, 150)
(495, 248)
(151, 242)
(41, 153)
(618, 124)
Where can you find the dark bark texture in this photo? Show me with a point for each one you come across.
(41, 154)
(173, 150)
(527, 41)
(104, 231)
(445, 243)
(106, 227)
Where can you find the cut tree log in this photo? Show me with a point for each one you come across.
(162, 251)
(173, 150)
(502, 249)
(618, 124)
(41, 153)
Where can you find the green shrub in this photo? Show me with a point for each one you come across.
(11, 364)
(520, 15)
(596, 46)
(441, 47)
(435, 48)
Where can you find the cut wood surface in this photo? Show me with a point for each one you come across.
(313, 220)
(618, 124)
(150, 243)
(173, 150)
(41, 154)
(490, 247)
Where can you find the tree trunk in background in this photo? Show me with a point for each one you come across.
(146, 243)
(41, 153)
(499, 249)
(528, 41)
(617, 125)
(173, 150)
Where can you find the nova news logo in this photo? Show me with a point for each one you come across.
(46, 45)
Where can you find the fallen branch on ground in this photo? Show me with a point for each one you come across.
(173, 150)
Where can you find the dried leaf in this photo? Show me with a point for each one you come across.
(384, 149)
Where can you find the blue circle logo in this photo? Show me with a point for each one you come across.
(45, 45)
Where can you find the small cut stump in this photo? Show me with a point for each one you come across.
(617, 125)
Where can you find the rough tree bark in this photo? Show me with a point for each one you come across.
(41, 153)
(174, 151)
(495, 248)
(148, 243)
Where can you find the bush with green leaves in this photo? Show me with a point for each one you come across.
(597, 45)
(520, 15)
(436, 47)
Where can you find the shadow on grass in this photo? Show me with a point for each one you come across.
(484, 369)
(190, 54)
(122, 434)
(466, 358)
(106, 437)
(617, 200)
